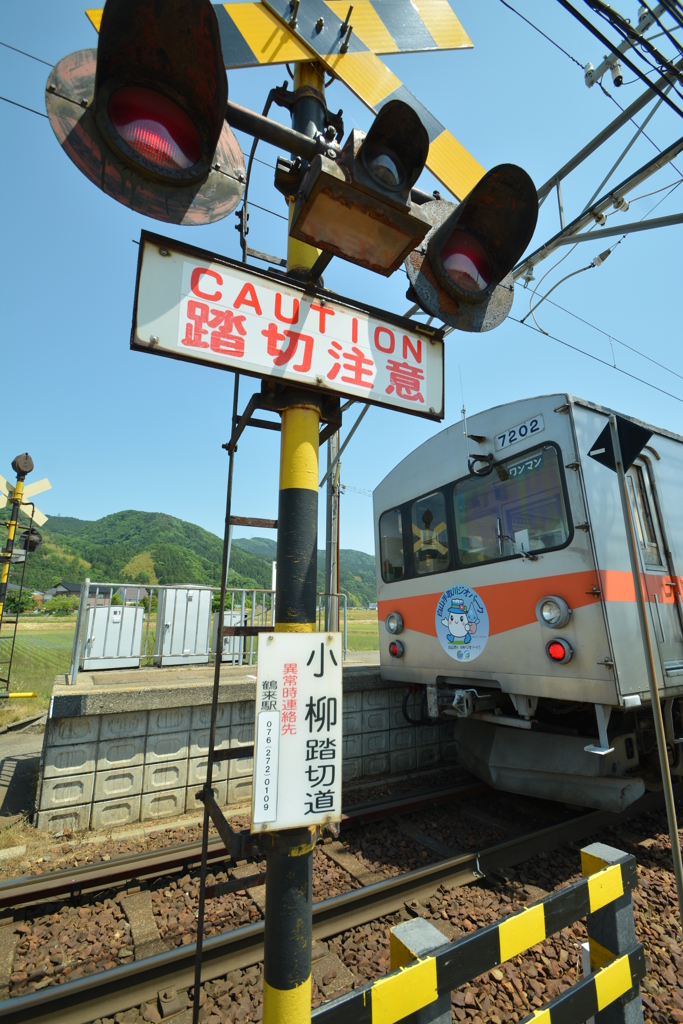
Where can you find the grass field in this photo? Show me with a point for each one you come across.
(362, 630)
(43, 649)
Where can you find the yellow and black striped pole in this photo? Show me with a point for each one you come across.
(287, 938)
(22, 466)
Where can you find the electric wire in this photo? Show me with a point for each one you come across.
(612, 337)
(594, 30)
(243, 213)
(24, 52)
(23, 107)
(532, 312)
(597, 359)
(674, 9)
(541, 32)
(638, 41)
(665, 31)
(634, 123)
(272, 212)
(32, 110)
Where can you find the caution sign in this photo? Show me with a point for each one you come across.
(201, 307)
(298, 741)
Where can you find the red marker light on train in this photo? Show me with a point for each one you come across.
(396, 649)
(559, 651)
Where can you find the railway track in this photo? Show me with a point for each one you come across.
(121, 988)
(137, 867)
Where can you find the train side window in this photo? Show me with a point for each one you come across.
(643, 519)
(430, 534)
(391, 546)
(520, 506)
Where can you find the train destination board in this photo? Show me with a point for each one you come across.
(207, 309)
(298, 738)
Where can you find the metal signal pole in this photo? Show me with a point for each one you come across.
(288, 925)
(650, 666)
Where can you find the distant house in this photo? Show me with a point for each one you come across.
(97, 596)
(132, 595)
(38, 596)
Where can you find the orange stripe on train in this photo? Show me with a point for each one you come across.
(511, 605)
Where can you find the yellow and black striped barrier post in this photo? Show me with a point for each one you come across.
(22, 466)
(288, 925)
(421, 977)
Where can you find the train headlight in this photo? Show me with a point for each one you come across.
(396, 649)
(559, 651)
(394, 623)
(553, 612)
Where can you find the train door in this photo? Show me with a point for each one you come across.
(658, 572)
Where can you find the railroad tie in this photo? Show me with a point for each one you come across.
(330, 974)
(341, 856)
(257, 892)
(9, 940)
(410, 829)
(143, 928)
(484, 818)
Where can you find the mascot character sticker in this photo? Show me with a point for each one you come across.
(462, 623)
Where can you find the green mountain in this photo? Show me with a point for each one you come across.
(356, 569)
(150, 547)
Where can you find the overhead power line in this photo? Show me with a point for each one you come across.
(541, 32)
(23, 107)
(612, 337)
(594, 30)
(596, 359)
(25, 54)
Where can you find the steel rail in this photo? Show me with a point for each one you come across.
(106, 993)
(139, 866)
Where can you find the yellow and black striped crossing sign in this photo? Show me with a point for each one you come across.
(254, 34)
(390, 999)
(373, 83)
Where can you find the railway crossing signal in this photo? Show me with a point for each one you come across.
(461, 273)
(359, 207)
(143, 116)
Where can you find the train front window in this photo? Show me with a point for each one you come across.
(391, 546)
(518, 507)
(430, 534)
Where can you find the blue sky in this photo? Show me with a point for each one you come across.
(116, 430)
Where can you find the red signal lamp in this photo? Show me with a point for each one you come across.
(154, 127)
(461, 272)
(559, 651)
(143, 116)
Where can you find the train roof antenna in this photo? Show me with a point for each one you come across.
(464, 415)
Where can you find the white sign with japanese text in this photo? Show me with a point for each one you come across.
(298, 739)
(212, 310)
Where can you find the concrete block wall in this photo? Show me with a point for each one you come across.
(110, 770)
(378, 741)
(103, 766)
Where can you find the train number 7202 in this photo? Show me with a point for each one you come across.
(521, 432)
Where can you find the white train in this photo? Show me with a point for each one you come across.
(504, 588)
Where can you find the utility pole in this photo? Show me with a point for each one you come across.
(289, 903)
(22, 466)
